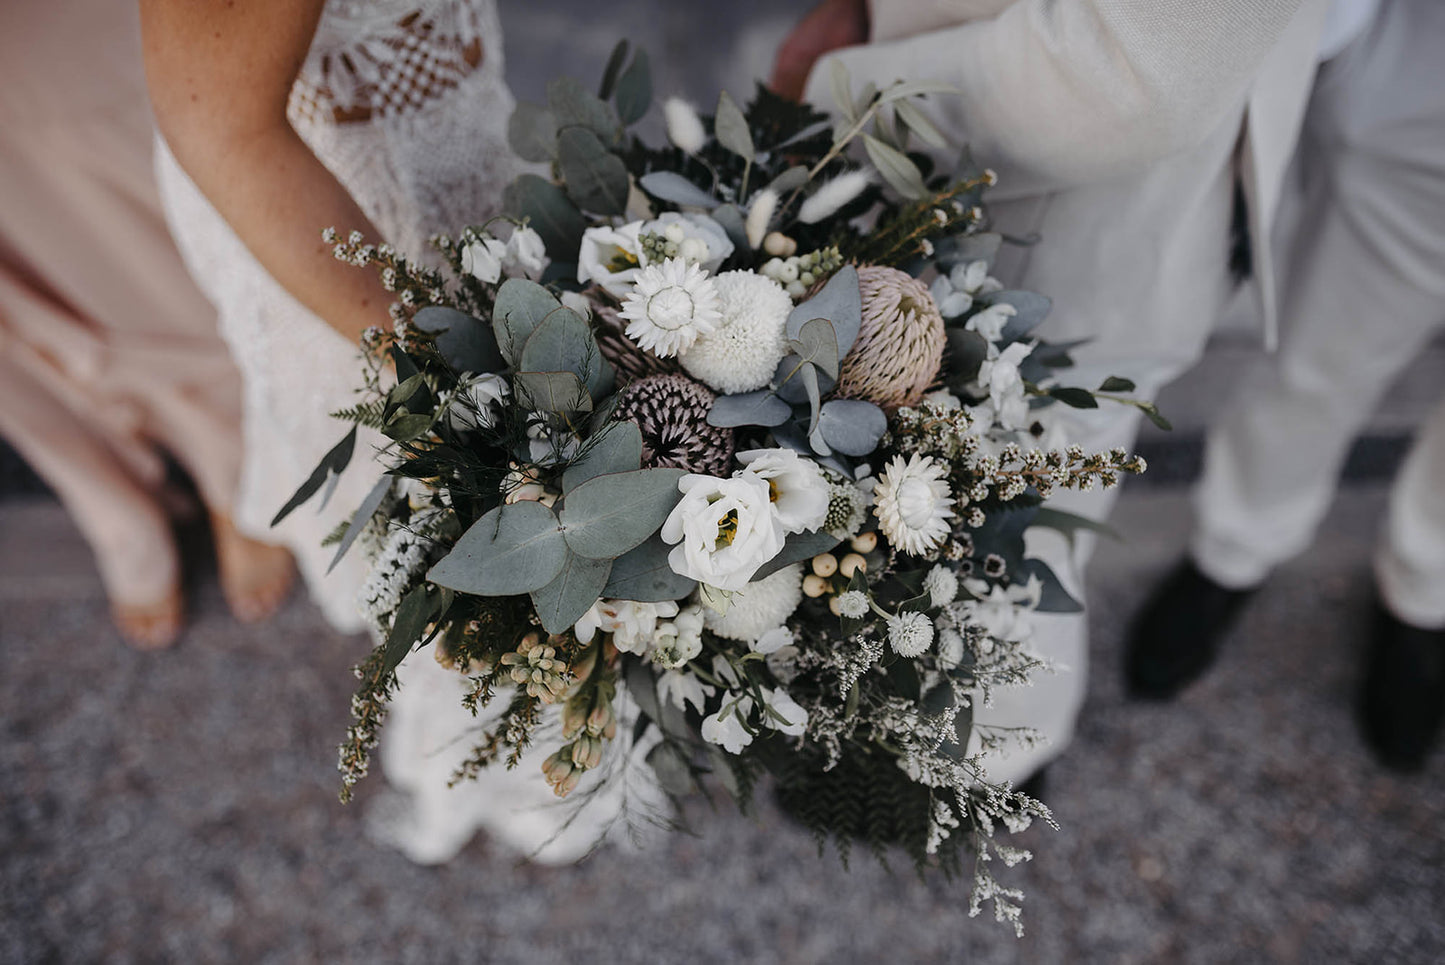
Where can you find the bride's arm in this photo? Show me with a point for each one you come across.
(220, 72)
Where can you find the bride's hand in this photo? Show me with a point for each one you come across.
(220, 74)
(830, 25)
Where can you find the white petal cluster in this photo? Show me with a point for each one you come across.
(485, 257)
(760, 607)
(525, 250)
(482, 259)
(680, 640)
(722, 530)
(913, 504)
(954, 292)
(853, 604)
(610, 257)
(633, 625)
(743, 352)
(800, 493)
(998, 375)
(670, 306)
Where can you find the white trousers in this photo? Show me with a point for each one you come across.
(1363, 293)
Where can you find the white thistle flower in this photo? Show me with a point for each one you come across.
(744, 351)
(760, 215)
(853, 604)
(913, 504)
(826, 201)
(684, 127)
(910, 634)
(670, 306)
(941, 584)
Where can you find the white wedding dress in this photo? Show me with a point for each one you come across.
(405, 102)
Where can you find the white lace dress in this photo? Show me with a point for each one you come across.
(405, 102)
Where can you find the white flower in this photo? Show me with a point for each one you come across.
(941, 585)
(999, 375)
(679, 641)
(772, 641)
(723, 530)
(670, 306)
(910, 634)
(760, 607)
(482, 259)
(680, 688)
(1000, 617)
(991, 321)
(699, 238)
(853, 604)
(950, 648)
(610, 257)
(800, 493)
(744, 351)
(760, 215)
(726, 728)
(578, 302)
(526, 251)
(684, 127)
(838, 192)
(951, 302)
(794, 718)
(912, 503)
(482, 394)
(955, 291)
(633, 625)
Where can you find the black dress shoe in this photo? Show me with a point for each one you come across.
(1176, 636)
(1402, 700)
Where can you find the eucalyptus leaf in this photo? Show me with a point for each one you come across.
(596, 178)
(609, 515)
(549, 212)
(731, 128)
(532, 132)
(1053, 598)
(643, 574)
(360, 518)
(789, 181)
(789, 380)
(966, 351)
(575, 106)
(817, 342)
(407, 625)
(571, 594)
(1116, 383)
(897, 169)
(809, 375)
(840, 301)
(560, 392)
(918, 123)
(963, 249)
(466, 343)
(1077, 398)
(852, 426)
(760, 408)
(332, 464)
(615, 60)
(673, 187)
(617, 449)
(513, 549)
(633, 96)
(520, 307)
(732, 222)
(797, 548)
(563, 342)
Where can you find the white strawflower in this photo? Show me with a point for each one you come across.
(724, 530)
(910, 634)
(853, 604)
(760, 215)
(610, 257)
(684, 127)
(825, 202)
(670, 306)
(912, 503)
(759, 607)
(941, 584)
(482, 259)
(744, 350)
(800, 493)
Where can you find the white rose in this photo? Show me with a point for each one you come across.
(799, 491)
(696, 228)
(526, 250)
(724, 530)
(610, 257)
(482, 259)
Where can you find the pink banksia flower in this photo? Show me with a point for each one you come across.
(900, 344)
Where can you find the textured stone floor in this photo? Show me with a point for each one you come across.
(181, 807)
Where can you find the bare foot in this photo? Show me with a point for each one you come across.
(255, 577)
(150, 626)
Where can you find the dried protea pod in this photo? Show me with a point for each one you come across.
(900, 344)
(631, 360)
(671, 411)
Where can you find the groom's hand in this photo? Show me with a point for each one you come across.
(828, 26)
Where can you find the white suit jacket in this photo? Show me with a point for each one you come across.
(1117, 128)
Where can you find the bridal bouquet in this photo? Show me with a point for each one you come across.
(733, 442)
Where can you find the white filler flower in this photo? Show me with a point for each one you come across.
(800, 493)
(910, 634)
(760, 607)
(744, 351)
(912, 503)
(723, 530)
(670, 306)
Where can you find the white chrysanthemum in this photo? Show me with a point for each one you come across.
(684, 127)
(744, 351)
(853, 604)
(800, 493)
(913, 504)
(759, 607)
(941, 584)
(910, 634)
(825, 202)
(670, 306)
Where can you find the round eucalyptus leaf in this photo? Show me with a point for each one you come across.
(512, 549)
(609, 515)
